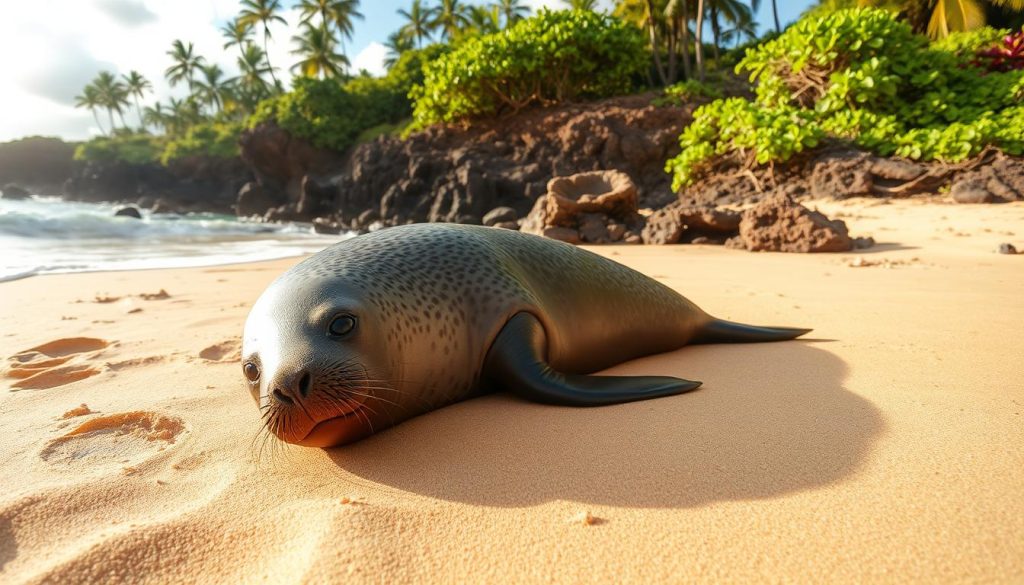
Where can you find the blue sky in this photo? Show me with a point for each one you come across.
(50, 49)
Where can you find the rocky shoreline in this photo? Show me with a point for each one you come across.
(500, 172)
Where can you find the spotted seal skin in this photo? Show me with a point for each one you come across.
(389, 325)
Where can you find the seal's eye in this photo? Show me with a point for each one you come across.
(251, 371)
(342, 325)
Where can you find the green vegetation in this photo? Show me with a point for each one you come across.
(862, 76)
(550, 58)
(336, 115)
(687, 91)
(131, 148)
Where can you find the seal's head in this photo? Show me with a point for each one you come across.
(305, 355)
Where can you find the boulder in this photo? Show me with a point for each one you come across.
(970, 191)
(128, 211)
(1006, 248)
(681, 223)
(253, 200)
(779, 224)
(841, 175)
(326, 225)
(500, 215)
(314, 197)
(587, 204)
(12, 191)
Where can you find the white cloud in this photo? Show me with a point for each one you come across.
(371, 59)
(52, 49)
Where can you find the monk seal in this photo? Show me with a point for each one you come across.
(385, 326)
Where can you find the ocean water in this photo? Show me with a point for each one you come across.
(46, 235)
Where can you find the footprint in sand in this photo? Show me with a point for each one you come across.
(123, 439)
(51, 364)
(225, 351)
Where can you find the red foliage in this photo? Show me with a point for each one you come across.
(1009, 56)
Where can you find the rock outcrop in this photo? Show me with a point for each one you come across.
(679, 223)
(37, 163)
(779, 224)
(16, 192)
(597, 207)
(458, 174)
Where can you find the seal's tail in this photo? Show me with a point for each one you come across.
(720, 331)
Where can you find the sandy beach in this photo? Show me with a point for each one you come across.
(888, 446)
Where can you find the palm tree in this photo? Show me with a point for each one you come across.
(182, 114)
(262, 12)
(512, 10)
(938, 18)
(253, 66)
(590, 5)
(211, 88)
(342, 14)
(698, 41)
(137, 86)
(418, 22)
(90, 98)
(398, 43)
(484, 20)
(237, 34)
(743, 28)
(186, 62)
(316, 47)
(775, 13)
(450, 17)
(112, 95)
(156, 117)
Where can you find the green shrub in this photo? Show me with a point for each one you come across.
(967, 43)
(215, 139)
(130, 148)
(552, 57)
(680, 93)
(862, 76)
(333, 114)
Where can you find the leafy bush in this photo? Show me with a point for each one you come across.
(967, 43)
(333, 114)
(680, 93)
(207, 139)
(552, 57)
(862, 76)
(130, 148)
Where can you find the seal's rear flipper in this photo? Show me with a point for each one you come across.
(516, 362)
(719, 331)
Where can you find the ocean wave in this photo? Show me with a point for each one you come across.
(40, 236)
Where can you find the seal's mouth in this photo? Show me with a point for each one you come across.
(343, 428)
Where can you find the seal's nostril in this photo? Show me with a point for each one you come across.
(304, 384)
(282, 397)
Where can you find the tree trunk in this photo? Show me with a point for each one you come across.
(672, 67)
(96, 119)
(653, 34)
(775, 13)
(110, 113)
(685, 31)
(266, 34)
(716, 32)
(698, 46)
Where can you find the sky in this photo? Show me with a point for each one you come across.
(50, 49)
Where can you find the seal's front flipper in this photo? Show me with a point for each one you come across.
(516, 362)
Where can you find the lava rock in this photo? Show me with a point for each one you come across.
(253, 199)
(12, 191)
(779, 224)
(970, 191)
(128, 211)
(500, 215)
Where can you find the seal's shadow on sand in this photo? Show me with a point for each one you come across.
(771, 419)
